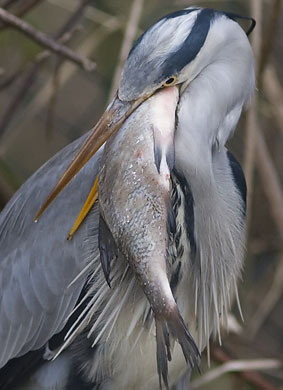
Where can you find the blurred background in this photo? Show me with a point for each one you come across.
(47, 101)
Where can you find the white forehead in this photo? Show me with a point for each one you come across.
(169, 34)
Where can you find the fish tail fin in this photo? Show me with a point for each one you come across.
(180, 332)
(163, 353)
(173, 324)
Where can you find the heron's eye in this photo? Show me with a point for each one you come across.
(171, 81)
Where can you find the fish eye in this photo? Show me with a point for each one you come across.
(171, 81)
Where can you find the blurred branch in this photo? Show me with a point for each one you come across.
(21, 92)
(56, 86)
(244, 368)
(257, 152)
(8, 183)
(10, 79)
(274, 92)
(32, 72)
(53, 100)
(54, 92)
(23, 8)
(256, 143)
(269, 301)
(130, 34)
(89, 46)
(6, 192)
(270, 182)
(237, 366)
(252, 125)
(76, 15)
(7, 3)
(273, 190)
(269, 37)
(94, 14)
(44, 40)
(19, 10)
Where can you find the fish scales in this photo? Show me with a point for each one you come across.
(135, 203)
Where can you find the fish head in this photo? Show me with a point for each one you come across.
(134, 179)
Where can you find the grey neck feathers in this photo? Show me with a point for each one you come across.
(219, 233)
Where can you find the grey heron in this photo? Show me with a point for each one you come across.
(54, 295)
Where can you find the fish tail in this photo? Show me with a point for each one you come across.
(180, 332)
(174, 325)
(163, 353)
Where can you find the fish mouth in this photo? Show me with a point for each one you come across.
(110, 122)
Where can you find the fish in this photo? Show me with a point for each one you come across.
(136, 215)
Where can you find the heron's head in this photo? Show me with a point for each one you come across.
(174, 51)
(177, 48)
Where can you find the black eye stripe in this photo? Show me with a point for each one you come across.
(192, 44)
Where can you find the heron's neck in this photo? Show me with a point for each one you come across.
(219, 82)
(218, 220)
(208, 112)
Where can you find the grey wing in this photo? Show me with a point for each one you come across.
(37, 263)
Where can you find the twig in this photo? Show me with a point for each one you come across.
(270, 182)
(274, 92)
(237, 366)
(25, 86)
(32, 72)
(74, 18)
(7, 3)
(254, 378)
(269, 301)
(55, 86)
(273, 190)
(55, 89)
(23, 8)
(129, 37)
(92, 13)
(45, 40)
(53, 100)
(8, 184)
(6, 192)
(269, 36)
(10, 79)
(249, 154)
(21, 92)
(89, 46)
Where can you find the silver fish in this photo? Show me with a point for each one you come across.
(135, 207)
